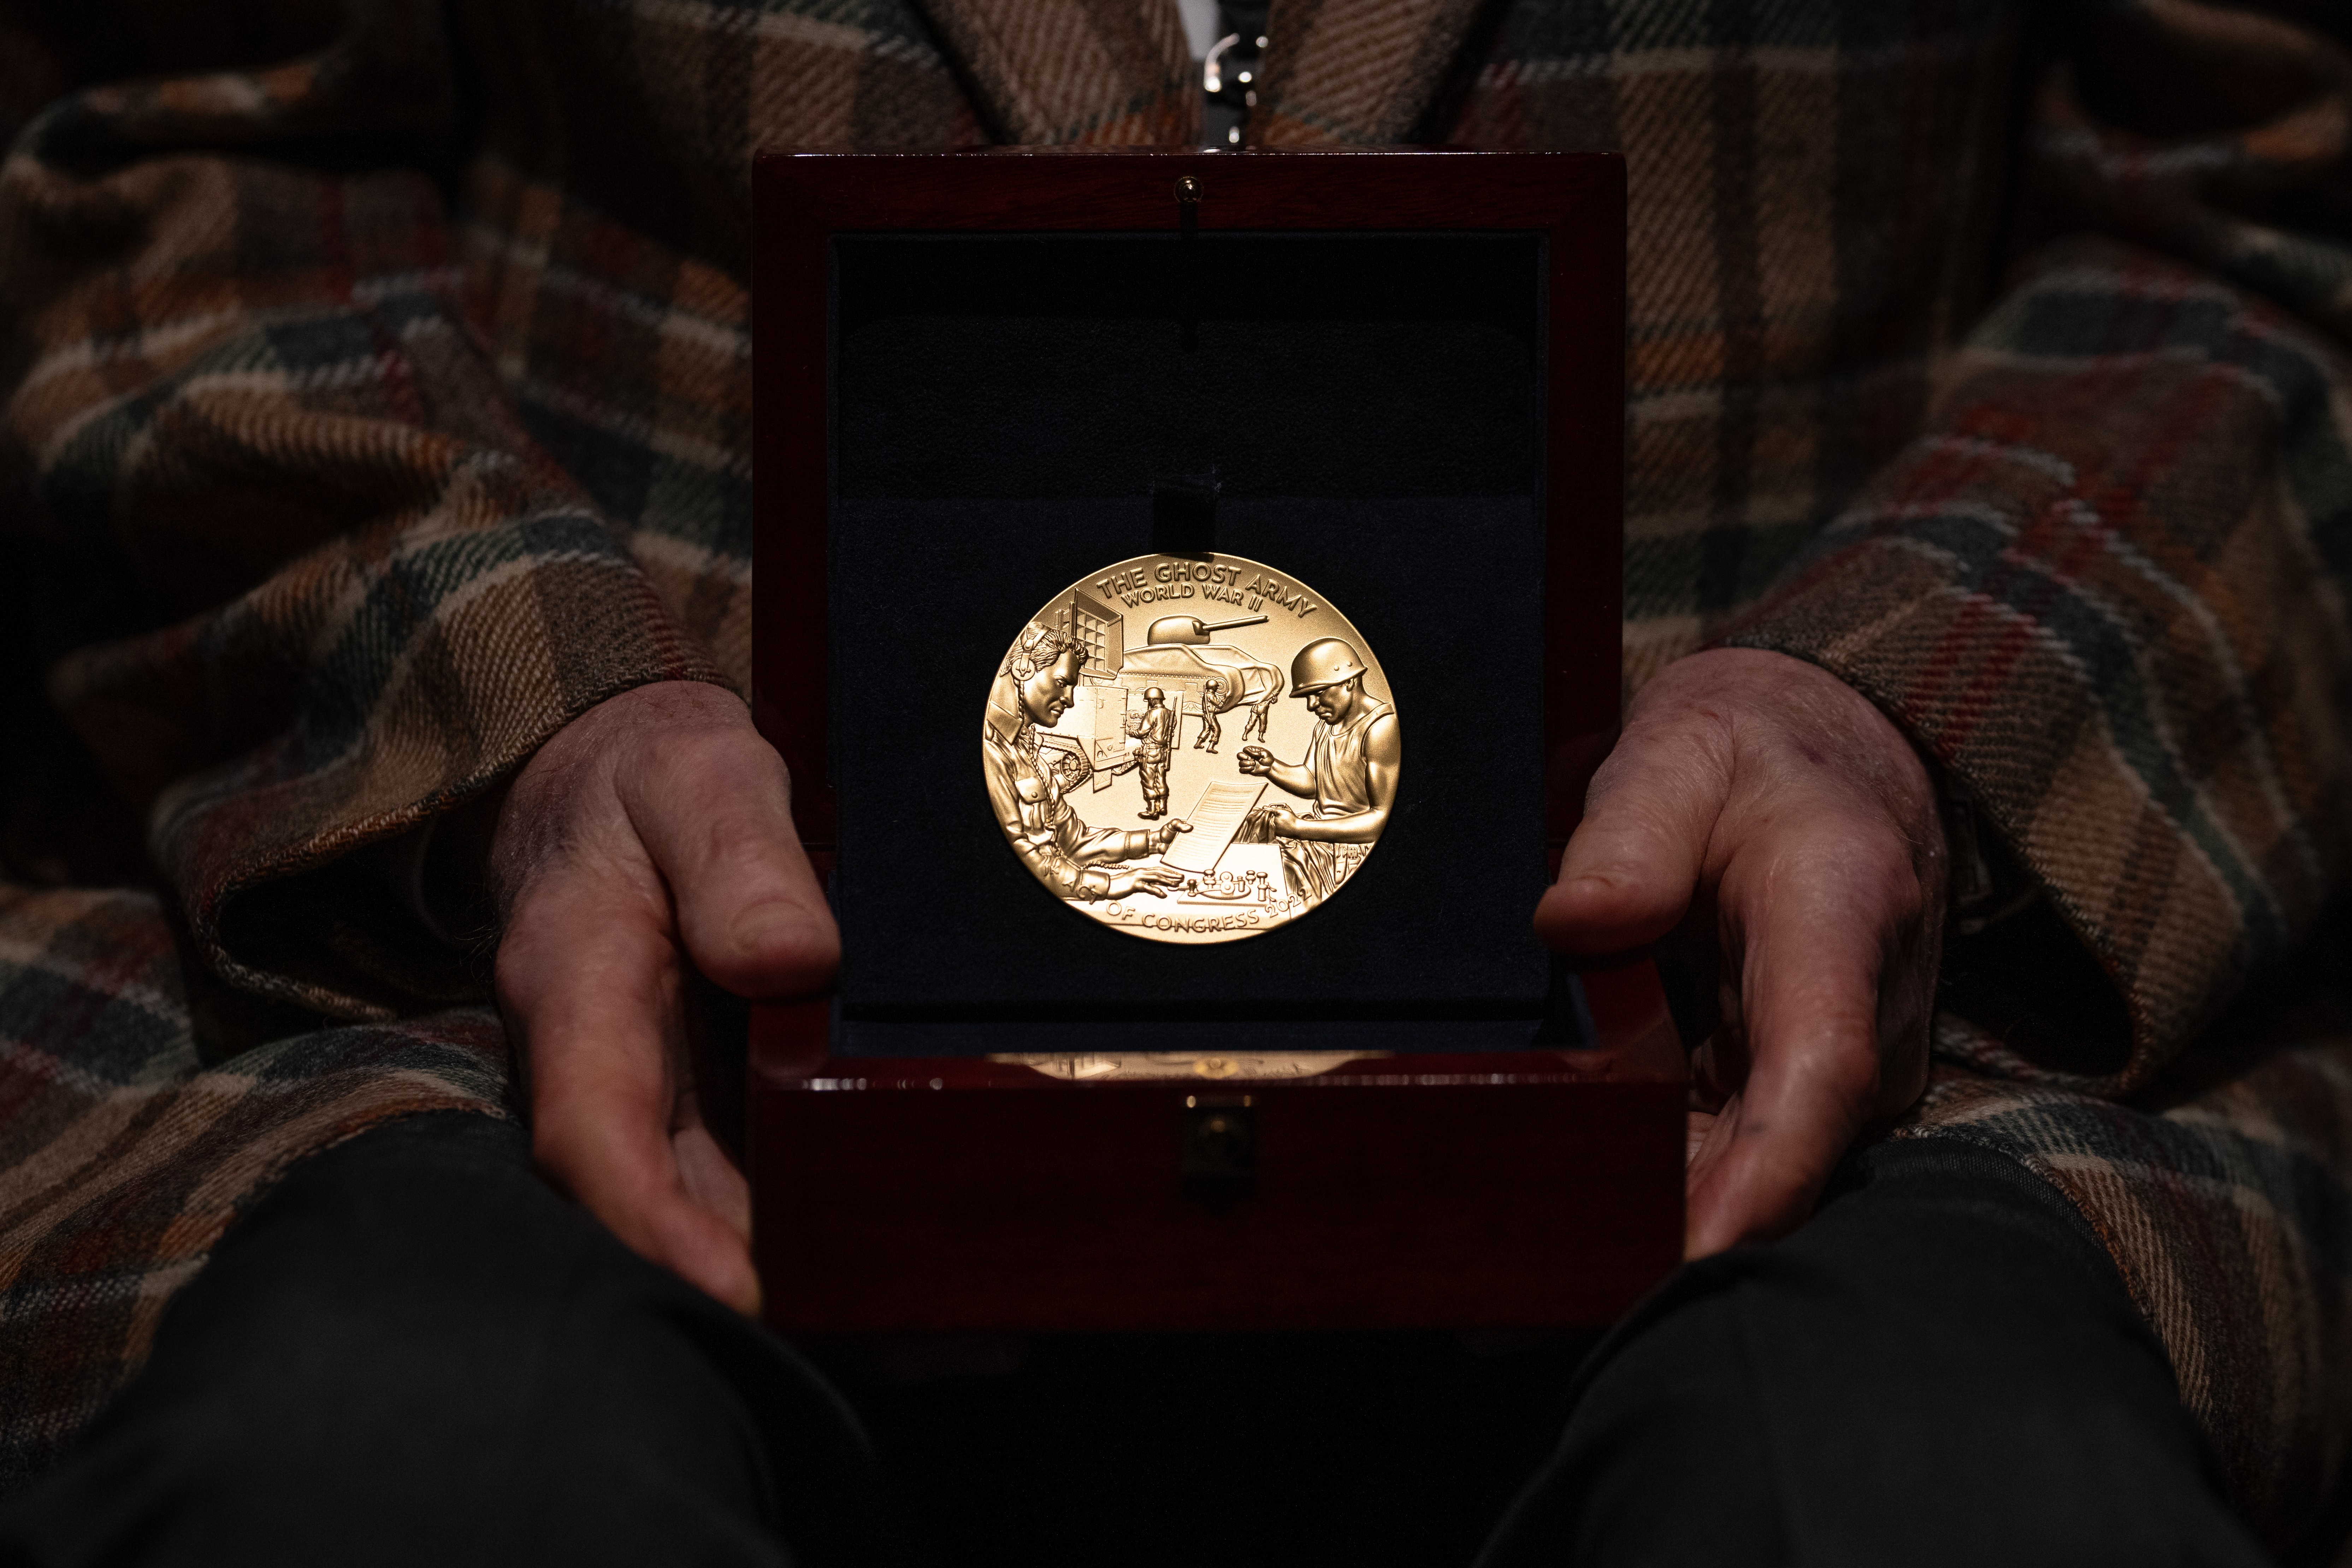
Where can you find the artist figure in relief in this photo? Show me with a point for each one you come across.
(1351, 775)
(1158, 732)
(1027, 780)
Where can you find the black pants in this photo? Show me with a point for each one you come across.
(412, 1352)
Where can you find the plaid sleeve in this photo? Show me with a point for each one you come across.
(2103, 588)
(315, 584)
(2103, 591)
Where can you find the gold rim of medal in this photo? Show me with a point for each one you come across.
(1190, 749)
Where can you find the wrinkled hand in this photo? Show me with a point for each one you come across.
(1763, 815)
(652, 833)
(1165, 834)
(1254, 760)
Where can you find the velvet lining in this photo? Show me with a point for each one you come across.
(1370, 409)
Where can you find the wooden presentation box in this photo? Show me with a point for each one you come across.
(980, 376)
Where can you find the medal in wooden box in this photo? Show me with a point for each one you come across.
(1259, 515)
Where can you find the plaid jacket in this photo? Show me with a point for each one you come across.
(376, 400)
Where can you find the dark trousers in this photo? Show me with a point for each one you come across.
(412, 1351)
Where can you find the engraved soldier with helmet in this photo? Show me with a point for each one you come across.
(1349, 772)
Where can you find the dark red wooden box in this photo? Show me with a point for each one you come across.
(949, 1191)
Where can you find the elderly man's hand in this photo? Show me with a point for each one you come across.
(654, 832)
(1763, 814)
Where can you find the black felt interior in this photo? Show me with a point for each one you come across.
(1371, 408)
(1031, 366)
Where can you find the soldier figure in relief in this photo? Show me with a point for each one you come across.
(1351, 775)
(1158, 733)
(1213, 703)
(1257, 685)
(1025, 786)
(1261, 712)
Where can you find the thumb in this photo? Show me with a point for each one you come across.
(587, 980)
(1629, 871)
(714, 811)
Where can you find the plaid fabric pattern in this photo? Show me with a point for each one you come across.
(1076, 71)
(2088, 590)
(2225, 1213)
(1355, 75)
(371, 441)
(259, 426)
(2255, 191)
(1814, 194)
(125, 1157)
(612, 302)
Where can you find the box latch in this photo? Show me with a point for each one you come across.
(1219, 1151)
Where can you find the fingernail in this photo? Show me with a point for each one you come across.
(763, 929)
(755, 929)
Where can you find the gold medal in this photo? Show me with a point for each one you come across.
(1190, 749)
